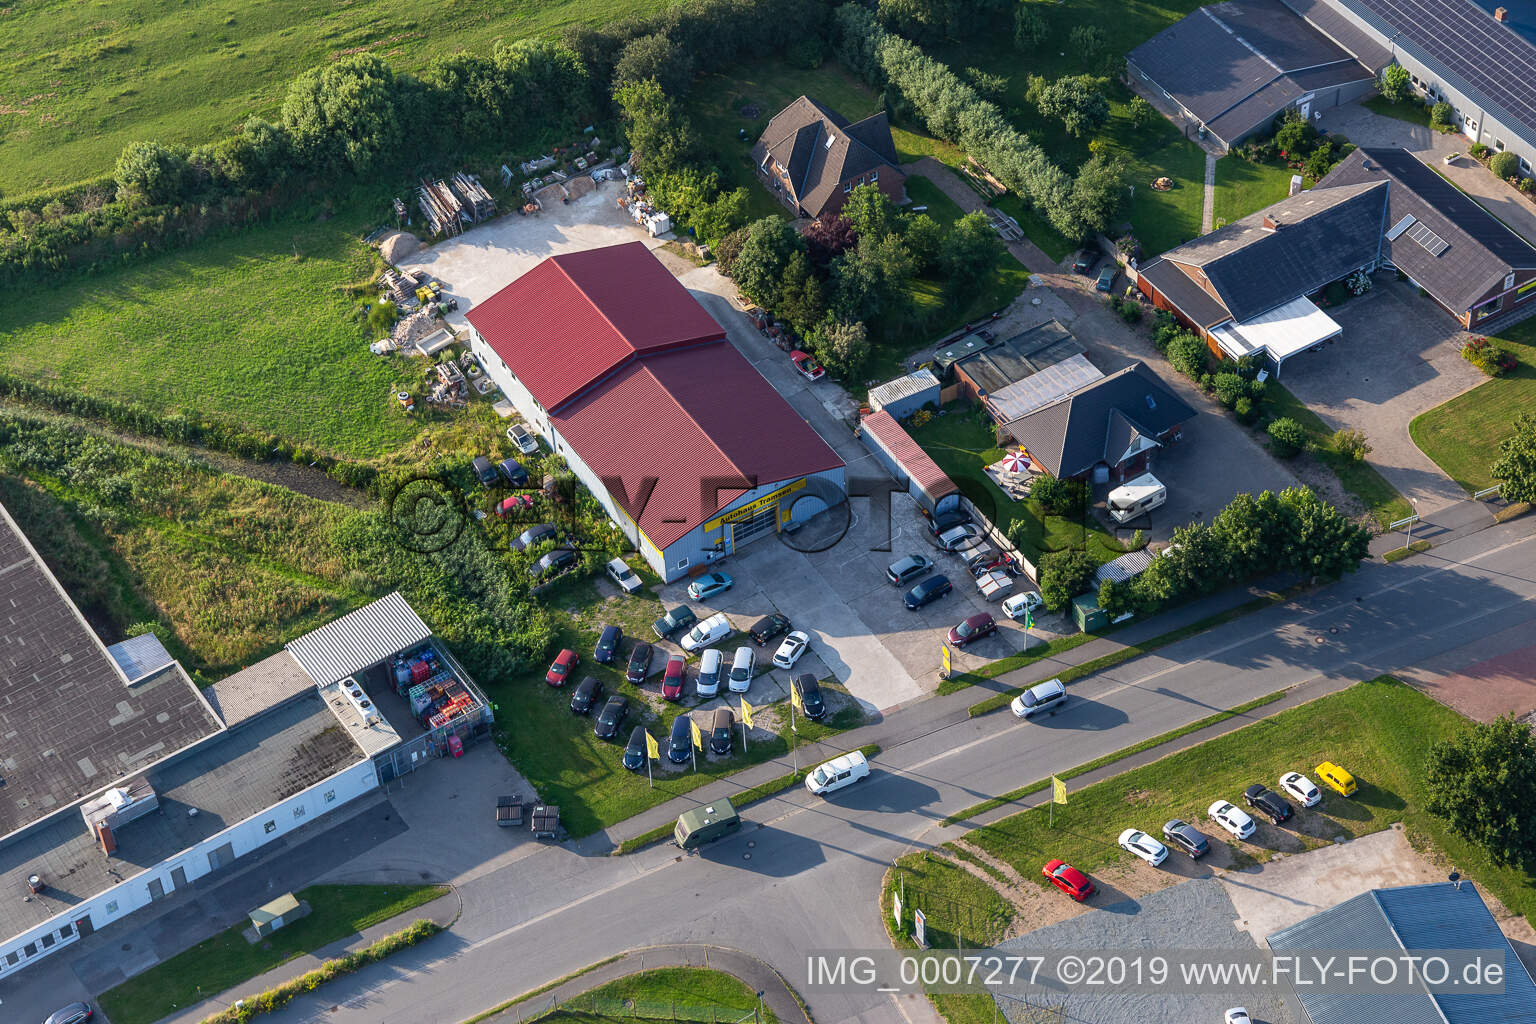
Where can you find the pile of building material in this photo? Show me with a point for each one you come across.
(552, 193)
(444, 212)
(450, 388)
(397, 245)
(413, 328)
(533, 185)
(536, 165)
(579, 186)
(981, 179)
(477, 202)
(642, 212)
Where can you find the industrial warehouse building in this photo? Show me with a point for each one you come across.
(124, 783)
(689, 450)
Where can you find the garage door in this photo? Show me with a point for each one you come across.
(761, 523)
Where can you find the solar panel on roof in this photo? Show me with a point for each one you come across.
(1401, 226)
(1432, 243)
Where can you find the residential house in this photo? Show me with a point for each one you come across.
(811, 158)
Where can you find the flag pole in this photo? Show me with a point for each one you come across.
(794, 734)
(650, 773)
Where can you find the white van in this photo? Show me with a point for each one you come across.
(707, 683)
(837, 773)
(1136, 497)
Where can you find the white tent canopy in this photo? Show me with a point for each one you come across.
(1280, 333)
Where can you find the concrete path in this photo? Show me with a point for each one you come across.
(1208, 212)
(1366, 128)
(1026, 252)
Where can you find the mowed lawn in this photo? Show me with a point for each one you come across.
(236, 328)
(665, 993)
(1463, 435)
(79, 82)
(1244, 187)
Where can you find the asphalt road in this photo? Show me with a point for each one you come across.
(803, 874)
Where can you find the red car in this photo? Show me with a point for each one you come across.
(1068, 879)
(517, 501)
(560, 671)
(806, 363)
(672, 680)
(974, 628)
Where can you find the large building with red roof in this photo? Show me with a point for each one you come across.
(635, 385)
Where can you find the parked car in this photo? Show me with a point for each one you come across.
(768, 627)
(1236, 1015)
(713, 629)
(676, 620)
(809, 690)
(957, 537)
(552, 563)
(526, 442)
(672, 677)
(639, 663)
(608, 642)
(1015, 605)
(837, 773)
(561, 669)
(680, 743)
(947, 521)
(722, 731)
(789, 651)
(620, 572)
(1186, 837)
(926, 592)
(1044, 698)
(709, 585)
(611, 719)
(1231, 818)
(485, 472)
(742, 667)
(974, 628)
(74, 1013)
(1267, 801)
(1143, 847)
(1106, 281)
(1085, 260)
(1337, 779)
(513, 472)
(904, 571)
(807, 365)
(588, 692)
(707, 683)
(635, 753)
(534, 536)
(507, 506)
(1068, 879)
(1301, 787)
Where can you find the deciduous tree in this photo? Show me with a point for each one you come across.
(1483, 783)
(1516, 466)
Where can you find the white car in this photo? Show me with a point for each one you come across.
(1300, 787)
(1041, 699)
(526, 442)
(1236, 1015)
(623, 575)
(790, 650)
(715, 628)
(1015, 606)
(1142, 846)
(837, 773)
(1233, 819)
(711, 667)
(743, 665)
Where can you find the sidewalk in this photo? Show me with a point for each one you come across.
(1443, 525)
(444, 910)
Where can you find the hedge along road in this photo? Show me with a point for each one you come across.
(804, 873)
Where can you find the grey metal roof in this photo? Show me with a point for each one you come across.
(141, 656)
(1366, 48)
(1043, 388)
(1019, 356)
(1192, 300)
(1480, 249)
(1414, 918)
(1130, 564)
(903, 387)
(359, 639)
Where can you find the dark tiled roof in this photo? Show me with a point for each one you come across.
(1481, 249)
(1192, 300)
(820, 150)
(1020, 356)
(1329, 21)
(1324, 235)
(1096, 423)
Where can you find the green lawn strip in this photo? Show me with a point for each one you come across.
(1413, 111)
(1381, 730)
(1129, 651)
(227, 960)
(535, 993)
(992, 669)
(1462, 435)
(1358, 477)
(940, 207)
(1099, 762)
(1244, 187)
(664, 993)
(1398, 554)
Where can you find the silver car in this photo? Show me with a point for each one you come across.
(742, 668)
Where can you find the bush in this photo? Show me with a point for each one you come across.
(1143, 114)
(1088, 41)
(1164, 329)
(806, 52)
(1029, 28)
(1064, 575)
(1489, 356)
(1440, 115)
(1396, 84)
(1229, 387)
(1528, 185)
(1129, 310)
(1187, 353)
(1478, 150)
(1287, 437)
(1060, 497)
(1504, 165)
(1244, 409)
(1351, 444)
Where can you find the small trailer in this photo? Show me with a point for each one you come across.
(1136, 497)
(509, 811)
(546, 822)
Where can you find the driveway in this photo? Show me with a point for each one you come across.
(1400, 355)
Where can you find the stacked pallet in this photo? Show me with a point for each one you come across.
(478, 203)
(441, 207)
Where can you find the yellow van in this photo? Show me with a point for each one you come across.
(1337, 778)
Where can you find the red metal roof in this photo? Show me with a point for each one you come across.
(579, 316)
(883, 427)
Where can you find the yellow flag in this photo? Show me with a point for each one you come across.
(1058, 791)
(795, 698)
(698, 737)
(651, 749)
(746, 712)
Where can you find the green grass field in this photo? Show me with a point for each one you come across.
(940, 207)
(1244, 187)
(1463, 435)
(666, 993)
(226, 960)
(1413, 111)
(236, 328)
(80, 82)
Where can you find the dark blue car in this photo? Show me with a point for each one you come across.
(513, 472)
(928, 591)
